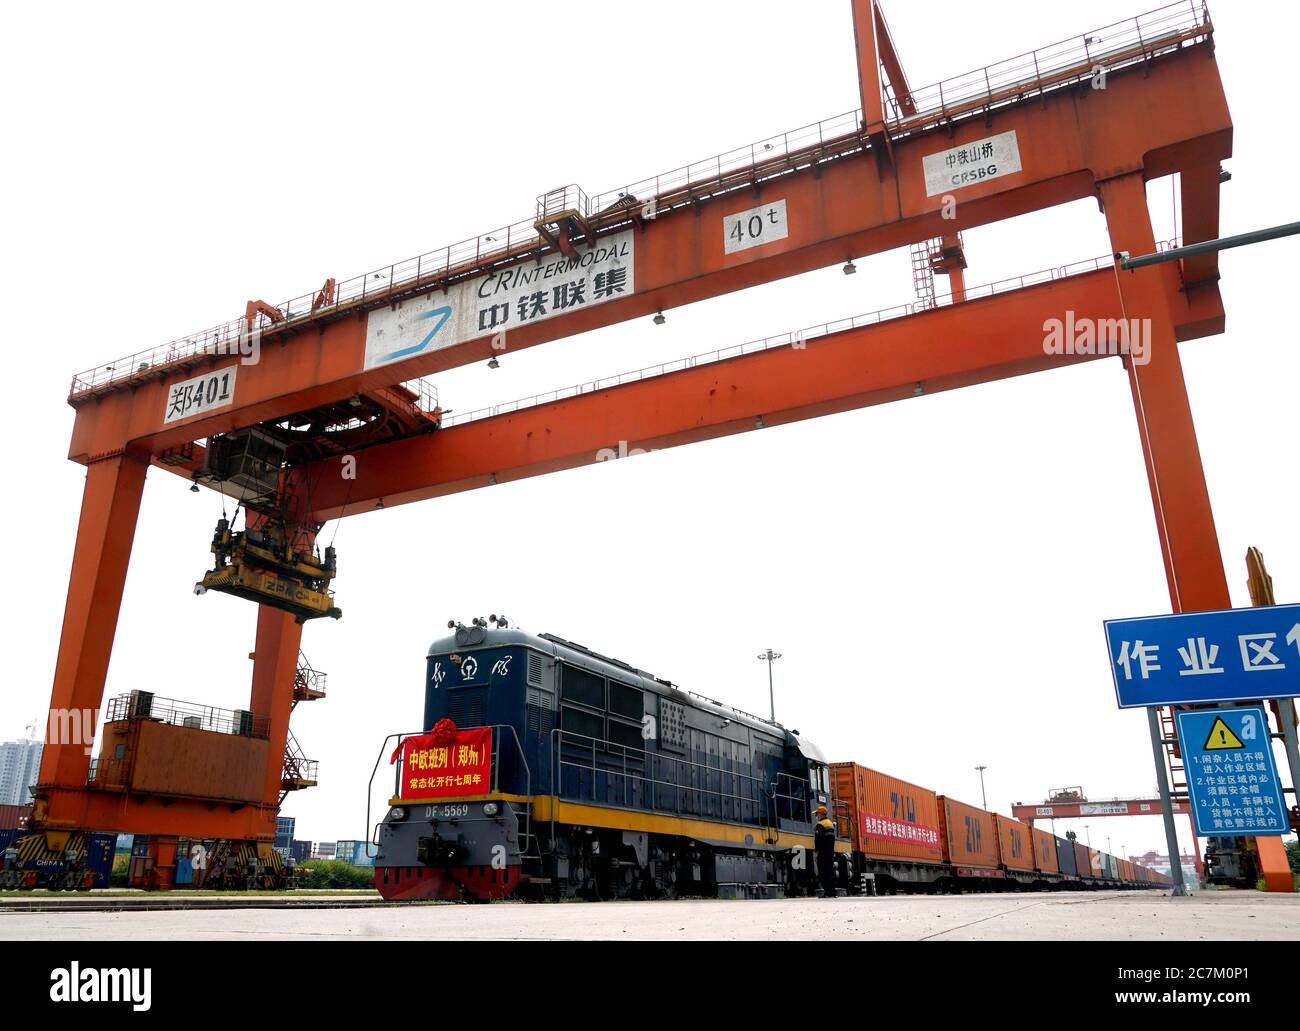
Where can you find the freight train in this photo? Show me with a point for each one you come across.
(549, 770)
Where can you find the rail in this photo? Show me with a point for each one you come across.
(1048, 68)
(794, 338)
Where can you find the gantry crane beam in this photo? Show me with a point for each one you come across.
(940, 349)
(1152, 119)
(1098, 809)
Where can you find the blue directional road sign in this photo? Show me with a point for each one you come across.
(1227, 655)
(1231, 773)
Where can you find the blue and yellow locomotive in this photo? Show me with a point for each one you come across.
(550, 770)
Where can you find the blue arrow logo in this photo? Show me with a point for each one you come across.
(441, 314)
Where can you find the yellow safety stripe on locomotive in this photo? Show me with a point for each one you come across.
(631, 819)
(657, 823)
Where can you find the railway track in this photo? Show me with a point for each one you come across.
(153, 902)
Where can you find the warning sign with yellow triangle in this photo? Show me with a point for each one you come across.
(1221, 738)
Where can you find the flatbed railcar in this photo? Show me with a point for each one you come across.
(548, 770)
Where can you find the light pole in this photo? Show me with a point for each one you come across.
(1088, 833)
(983, 796)
(770, 657)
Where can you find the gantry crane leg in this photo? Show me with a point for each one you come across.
(1184, 518)
(110, 504)
(275, 660)
(109, 511)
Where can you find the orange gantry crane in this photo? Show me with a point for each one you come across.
(337, 372)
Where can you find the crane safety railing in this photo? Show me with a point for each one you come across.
(143, 705)
(505, 245)
(796, 338)
(1116, 46)
(297, 767)
(1068, 62)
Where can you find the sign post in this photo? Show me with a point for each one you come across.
(1219, 657)
(1167, 804)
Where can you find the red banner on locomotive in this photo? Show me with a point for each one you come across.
(446, 762)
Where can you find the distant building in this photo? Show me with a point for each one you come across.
(20, 767)
(300, 850)
(284, 828)
(322, 850)
(353, 852)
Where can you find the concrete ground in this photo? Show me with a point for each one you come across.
(1108, 916)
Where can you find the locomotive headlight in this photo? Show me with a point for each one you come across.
(397, 814)
(491, 809)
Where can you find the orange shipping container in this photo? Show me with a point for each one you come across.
(888, 818)
(1094, 863)
(1045, 858)
(1015, 846)
(968, 835)
(1081, 859)
(14, 817)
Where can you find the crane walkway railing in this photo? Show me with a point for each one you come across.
(1071, 61)
(796, 338)
(1029, 75)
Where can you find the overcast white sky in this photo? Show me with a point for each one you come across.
(935, 572)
